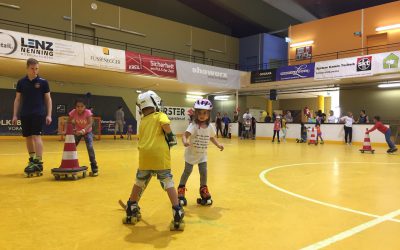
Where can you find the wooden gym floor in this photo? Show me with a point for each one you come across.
(266, 196)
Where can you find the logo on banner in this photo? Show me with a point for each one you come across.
(391, 61)
(364, 63)
(8, 44)
(34, 47)
(210, 73)
(105, 59)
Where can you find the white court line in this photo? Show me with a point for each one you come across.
(59, 152)
(352, 231)
(264, 179)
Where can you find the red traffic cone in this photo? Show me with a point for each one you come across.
(69, 163)
(367, 144)
(313, 137)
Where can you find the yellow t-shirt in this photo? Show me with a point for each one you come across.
(153, 148)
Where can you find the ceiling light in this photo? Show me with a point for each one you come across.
(138, 91)
(221, 97)
(195, 93)
(389, 85)
(194, 97)
(288, 40)
(301, 44)
(389, 27)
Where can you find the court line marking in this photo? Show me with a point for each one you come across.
(352, 231)
(268, 183)
(60, 152)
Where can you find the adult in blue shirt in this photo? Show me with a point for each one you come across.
(33, 103)
(226, 122)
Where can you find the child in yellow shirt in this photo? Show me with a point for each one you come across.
(155, 140)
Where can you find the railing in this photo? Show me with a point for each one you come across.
(324, 57)
(68, 35)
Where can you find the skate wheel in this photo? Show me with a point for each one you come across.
(66, 176)
(75, 177)
(362, 151)
(198, 200)
(209, 202)
(57, 177)
(30, 175)
(129, 220)
(373, 151)
(177, 226)
(83, 174)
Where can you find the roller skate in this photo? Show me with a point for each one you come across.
(181, 195)
(95, 171)
(177, 224)
(133, 214)
(35, 166)
(205, 197)
(391, 150)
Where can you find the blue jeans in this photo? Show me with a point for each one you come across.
(387, 137)
(89, 146)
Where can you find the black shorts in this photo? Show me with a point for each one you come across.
(32, 125)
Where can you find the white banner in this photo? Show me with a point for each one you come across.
(104, 58)
(386, 62)
(344, 68)
(44, 49)
(179, 117)
(207, 75)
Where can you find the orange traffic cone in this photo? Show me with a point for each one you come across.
(313, 137)
(367, 144)
(69, 164)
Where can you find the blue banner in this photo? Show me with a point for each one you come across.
(295, 72)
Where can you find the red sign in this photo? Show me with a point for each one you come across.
(150, 65)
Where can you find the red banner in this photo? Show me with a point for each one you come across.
(150, 65)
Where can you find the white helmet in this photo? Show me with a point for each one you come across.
(203, 104)
(149, 99)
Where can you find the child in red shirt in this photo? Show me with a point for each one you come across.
(277, 128)
(384, 130)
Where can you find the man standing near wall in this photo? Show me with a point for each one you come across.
(33, 101)
(119, 122)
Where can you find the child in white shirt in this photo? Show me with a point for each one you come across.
(196, 139)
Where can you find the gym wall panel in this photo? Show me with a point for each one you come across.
(160, 33)
(298, 104)
(383, 15)
(47, 13)
(330, 34)
(105, 14)
(384, 103)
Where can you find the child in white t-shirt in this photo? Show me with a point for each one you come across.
(196, 139)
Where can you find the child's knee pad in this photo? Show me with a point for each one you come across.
(167, 183)
(143, 182)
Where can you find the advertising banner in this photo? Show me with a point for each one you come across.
(386, 62)
(188, 72)
(104, 58)
(266, 75)
(295, 72)
(44, 49)
(344, 68)
(150, 65)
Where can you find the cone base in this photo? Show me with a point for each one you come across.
(69, 170)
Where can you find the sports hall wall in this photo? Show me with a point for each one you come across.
(375, 101)
(336, 33)
(160, 33)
